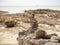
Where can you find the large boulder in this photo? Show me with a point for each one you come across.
(40, 34)
(11, 23)
(38, 38)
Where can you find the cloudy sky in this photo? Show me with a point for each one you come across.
(29, 2)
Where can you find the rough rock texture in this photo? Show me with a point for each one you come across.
(34, 36)
(32, 40)
(47, 20)
(40, 34)
(11, 23)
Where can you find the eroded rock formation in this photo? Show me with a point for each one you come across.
(35, 36)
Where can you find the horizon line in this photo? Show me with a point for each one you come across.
(29, 6)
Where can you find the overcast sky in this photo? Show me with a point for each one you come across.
(29, 2)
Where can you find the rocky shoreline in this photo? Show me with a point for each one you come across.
(47, 20)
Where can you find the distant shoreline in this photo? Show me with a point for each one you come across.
(19, 9)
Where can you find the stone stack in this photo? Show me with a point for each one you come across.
(38, 38)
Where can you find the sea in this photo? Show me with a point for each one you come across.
(19, 9)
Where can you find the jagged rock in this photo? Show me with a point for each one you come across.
(31, 39)
(33, 36)
(39, 37)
